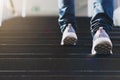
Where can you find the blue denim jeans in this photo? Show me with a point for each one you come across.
(102, 14)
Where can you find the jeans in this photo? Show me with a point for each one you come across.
(102, 14)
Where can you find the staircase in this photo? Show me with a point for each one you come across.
(30, 50)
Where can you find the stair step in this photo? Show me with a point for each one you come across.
(61, 64)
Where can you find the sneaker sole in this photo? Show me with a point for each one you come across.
(70, 41)
(103, 47)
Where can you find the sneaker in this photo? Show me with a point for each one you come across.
(69, 36)
(101, 43)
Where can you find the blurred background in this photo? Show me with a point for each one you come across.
(23, 8)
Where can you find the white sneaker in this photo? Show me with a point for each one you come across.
(101, 43)
(69, 36)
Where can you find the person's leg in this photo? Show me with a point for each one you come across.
(101, 24)
(102, 15)
(66, 14)
(67, 22)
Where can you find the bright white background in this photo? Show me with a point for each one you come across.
(46, 8)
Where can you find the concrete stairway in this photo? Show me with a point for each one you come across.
(30, 50)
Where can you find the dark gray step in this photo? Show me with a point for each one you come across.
(116, 29)
(44, 20)
(30, 41)
(63, 66)
(45, 24)
(46, 35)
(29, 29)
(60, 77)
(38, 74)
(56, 55)
(42, 48)
(49, 48)
(59, 68)
(47, 40)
